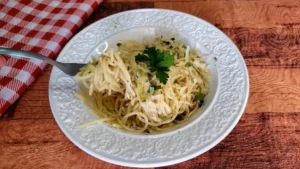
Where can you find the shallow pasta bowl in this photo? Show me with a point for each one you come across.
(222, 109)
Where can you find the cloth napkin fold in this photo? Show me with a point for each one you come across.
(39, 26)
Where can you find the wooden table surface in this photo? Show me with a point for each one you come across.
(268, 135)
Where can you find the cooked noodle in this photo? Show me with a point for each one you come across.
(120, 87)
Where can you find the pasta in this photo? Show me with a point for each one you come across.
(128, 95)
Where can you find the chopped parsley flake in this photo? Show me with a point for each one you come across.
(189, 64)
(200, 98)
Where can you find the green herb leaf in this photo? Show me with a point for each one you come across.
(141, 58)
(119, 44)
(163, 68)
(152, 69)
(189, 64)
(199, 97)
(151, 52)
(168, 60)
(162, 76)
(160, 61)
(160, 56)
(156, 87)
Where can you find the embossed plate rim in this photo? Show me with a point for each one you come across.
(207, 146)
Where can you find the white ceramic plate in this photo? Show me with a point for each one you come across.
(223, 108)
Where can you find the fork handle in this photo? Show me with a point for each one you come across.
(20, 53)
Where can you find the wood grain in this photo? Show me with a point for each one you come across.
(110, 8)
(268, 134)
(272, 47)
(274, 90)
(245, 13)
(247, 145)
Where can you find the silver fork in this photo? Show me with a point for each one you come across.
(68, 68)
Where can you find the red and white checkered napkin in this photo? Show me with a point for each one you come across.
(40, 26)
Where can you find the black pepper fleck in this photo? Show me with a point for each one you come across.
(166, 42)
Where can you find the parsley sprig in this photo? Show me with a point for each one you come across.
(160, 61)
